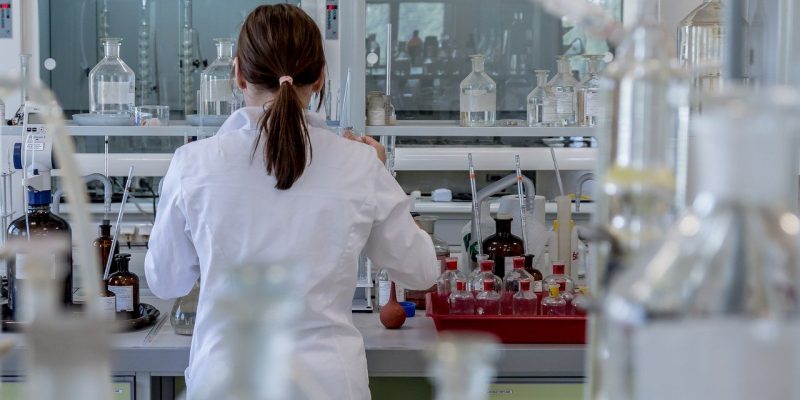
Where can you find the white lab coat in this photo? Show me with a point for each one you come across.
(218, 208)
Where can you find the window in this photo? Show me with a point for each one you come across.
(377, 18)
(427, 18)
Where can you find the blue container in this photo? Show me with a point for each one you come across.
(411, 308)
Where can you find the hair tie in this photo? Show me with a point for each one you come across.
(285, 79)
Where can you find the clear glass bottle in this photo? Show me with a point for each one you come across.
(554, 304)
(525, 302)
(478, 96)
(701, 49)
(581, 301)
(487, 302)
(589, 101)
(511, 284)
(216, 82)
(461, 300)
(42, 224)
(184, 312)
(503, 245)
(724, 280)
(125, 285)
(476, 284)
(564, 283)
(541, 102)
(384, 286)
(563, 86)
(112, 84)
(447, 280)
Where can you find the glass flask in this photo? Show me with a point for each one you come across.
(487, 302)
(462, 365)
(384, 286)
(563, 86)
(701, 49)
(589, 102)
(478, 96)
(525, 302)
(40, 223)
(581, 301)
(554, 304)
(541, 102)
(723, 284)
(564, 283)
(461, 300)
(184, 311)
(125, 286)
(511, 284)
(446, 281)
(476, 284)
(503, 246)
(112, 84)
(216, 82)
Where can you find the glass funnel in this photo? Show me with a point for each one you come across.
(462, 366)
(723, 286)
(216, 82)
(478, 96)
(590, 103)
(563, 86)
(112, 84)
(541, 102)
(700, 41)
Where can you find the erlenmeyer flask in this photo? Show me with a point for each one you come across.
(184, 312)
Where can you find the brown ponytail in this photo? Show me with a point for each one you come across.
(282, 41)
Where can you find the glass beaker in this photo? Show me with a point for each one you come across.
(541, 102)
(723, 285)
(590, 104)
(216, 82)
(478, 96)
(184, 312)
(563, 86)
(700, 41)
(112, 84)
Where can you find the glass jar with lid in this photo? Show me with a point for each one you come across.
(478, 98)
(112, 83)
(217, 92)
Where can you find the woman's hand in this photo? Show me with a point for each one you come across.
(348, 134)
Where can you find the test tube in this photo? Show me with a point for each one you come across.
(522, 208)
(476, 212)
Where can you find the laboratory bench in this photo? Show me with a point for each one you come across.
(156, 352)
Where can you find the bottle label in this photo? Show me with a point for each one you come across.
(376, 117)
(760, 357)
(537, 286)
(478, 100)
(508, 263)
(549, 114)
(124, 296)
(22, 271)
(384, 291)
(593, 105)
(114, 93)
(108, 305)
(565, 103)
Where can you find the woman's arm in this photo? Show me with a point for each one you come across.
(396, 242)
(171, 264)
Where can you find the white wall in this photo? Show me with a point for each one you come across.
(25, 39)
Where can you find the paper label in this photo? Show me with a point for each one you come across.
(565, 103)
(478, 100)
(108, 305)
(537, 286)
(115, 93)
(34, 146)
(508, 264)
(124, 296)
(593, 106)
(376, 117)
(731, 359)
(384, 291)
(21, 271)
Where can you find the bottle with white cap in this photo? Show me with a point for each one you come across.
(723, 285)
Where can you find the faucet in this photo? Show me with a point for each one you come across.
(107, 192)
(579, 190)
(496, 187)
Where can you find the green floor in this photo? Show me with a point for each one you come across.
(421, 389)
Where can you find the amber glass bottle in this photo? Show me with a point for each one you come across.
(125, 286)
(42, 225)
(537, 275)
(503, 246)
(102, 246)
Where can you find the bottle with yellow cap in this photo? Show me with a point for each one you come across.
(554, 304)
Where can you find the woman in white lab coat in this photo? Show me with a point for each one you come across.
(274, 186)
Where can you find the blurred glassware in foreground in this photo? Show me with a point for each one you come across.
(462, 365)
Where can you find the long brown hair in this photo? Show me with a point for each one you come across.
(276, 41)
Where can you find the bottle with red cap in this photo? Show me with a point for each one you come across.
(511, 284)
(581, 302)
(487, 302)
(524, 302)
(565, 284)
(461, 300)
(554, 305)
(446, 282)
(476, 285)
